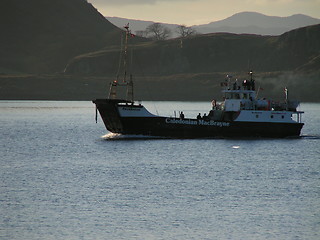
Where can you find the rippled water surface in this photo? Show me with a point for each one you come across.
(62, 177)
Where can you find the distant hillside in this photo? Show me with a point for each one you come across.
(188, 69)
(42, 35)
(257, 23)
(218, 52)
(46, 37)
(244, 22)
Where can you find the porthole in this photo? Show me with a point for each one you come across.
(282, 117)
(257, 116)
(271, 116)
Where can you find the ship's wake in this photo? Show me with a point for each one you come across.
(310, 136)
(118, 136)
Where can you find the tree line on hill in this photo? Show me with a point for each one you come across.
(158, 31)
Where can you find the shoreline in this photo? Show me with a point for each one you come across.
(183, 87)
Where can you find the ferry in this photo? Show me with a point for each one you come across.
(240, 114)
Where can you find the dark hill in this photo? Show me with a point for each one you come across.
(219, 52)
(297, 48)
(42, 35)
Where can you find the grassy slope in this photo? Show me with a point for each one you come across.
(221, 52)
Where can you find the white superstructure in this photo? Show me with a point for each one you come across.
(241, 100)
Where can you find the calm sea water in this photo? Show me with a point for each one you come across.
(61, 178)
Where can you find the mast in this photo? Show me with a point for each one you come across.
(125, 52)
(125, 83)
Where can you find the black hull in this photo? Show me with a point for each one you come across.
(159, 127)
(190, 128)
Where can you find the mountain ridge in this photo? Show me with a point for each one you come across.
(254, 18)
(238, 23)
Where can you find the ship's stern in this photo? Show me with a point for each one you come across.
(108, 110)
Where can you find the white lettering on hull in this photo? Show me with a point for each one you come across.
(197, 122)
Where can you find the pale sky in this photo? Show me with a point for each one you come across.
(193, 12)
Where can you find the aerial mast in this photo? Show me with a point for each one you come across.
(128, 84)
(125, 52)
